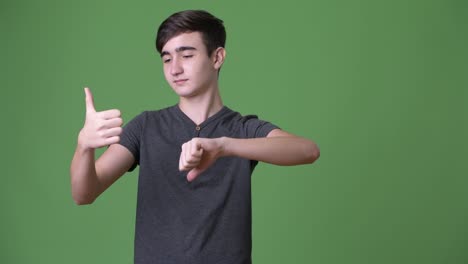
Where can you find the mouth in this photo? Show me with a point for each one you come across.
(180, 81)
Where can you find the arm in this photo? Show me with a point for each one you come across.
(89, 178)
(279, 148)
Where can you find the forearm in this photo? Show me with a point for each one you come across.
(84, 181)
(275, 150)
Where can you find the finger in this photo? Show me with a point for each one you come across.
(114, 122)
(198, 145)
(183, 166)
(188, 161)
(182, 163)
(111, 132)
(187, 146)
(112, 140)
(187, 165)
(110, 114)
(89, 101)
(205, 164)
(196, 150)
(180, 158)
(191, 161)
(200, 153)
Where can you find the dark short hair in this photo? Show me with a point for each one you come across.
(211, 28)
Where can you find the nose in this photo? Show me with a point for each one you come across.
(176, 67)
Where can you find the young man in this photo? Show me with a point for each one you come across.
(195, 158)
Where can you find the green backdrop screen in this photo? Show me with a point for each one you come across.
(381, 86)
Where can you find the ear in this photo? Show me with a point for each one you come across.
(218, 57)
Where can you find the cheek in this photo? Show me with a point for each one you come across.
(166, 73)
(203, 70)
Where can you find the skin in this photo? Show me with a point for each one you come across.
(193, 75)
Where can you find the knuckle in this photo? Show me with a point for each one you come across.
(99, 123)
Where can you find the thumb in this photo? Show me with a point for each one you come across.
(89, 101)
(193, 173)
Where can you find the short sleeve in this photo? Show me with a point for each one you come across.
(131, 137)
(256, 128)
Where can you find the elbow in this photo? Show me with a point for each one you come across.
(82, 200)
(83, 195)
(312, 153)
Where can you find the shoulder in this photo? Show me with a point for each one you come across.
(235, 116)
(250, 125)
(243, 119)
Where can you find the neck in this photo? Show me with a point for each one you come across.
(199, 108)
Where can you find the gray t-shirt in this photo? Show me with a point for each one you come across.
(204, 221)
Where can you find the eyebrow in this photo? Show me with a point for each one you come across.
(179, 49)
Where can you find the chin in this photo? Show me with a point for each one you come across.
(186, 93)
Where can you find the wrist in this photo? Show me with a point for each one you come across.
(226, 143)
(81, 144)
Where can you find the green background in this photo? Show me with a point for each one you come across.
(381, 86)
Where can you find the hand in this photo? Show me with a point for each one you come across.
(100, 128)
(199, 154)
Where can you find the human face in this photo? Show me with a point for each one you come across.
(187, 67)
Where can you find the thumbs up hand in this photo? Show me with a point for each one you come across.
(100, 128)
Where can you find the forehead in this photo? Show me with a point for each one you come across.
(192, 39)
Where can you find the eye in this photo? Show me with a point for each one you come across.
(187, 56)
(166, 60)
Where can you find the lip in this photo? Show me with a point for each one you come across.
(180, 81)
